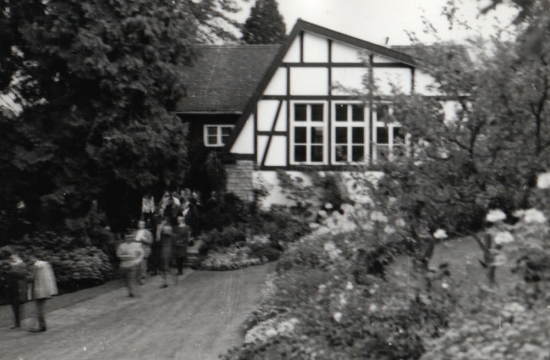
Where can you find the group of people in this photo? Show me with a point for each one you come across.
(39, 285)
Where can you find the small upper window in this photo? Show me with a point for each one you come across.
(217, 135)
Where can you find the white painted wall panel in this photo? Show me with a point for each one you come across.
(262, 143)
(315, 48)
(346, 53)
(309, 81)
(276, 155)
(349, 78)
(293, 53)
(244, 144)
(281, 121)
(267, 109)
(450, 108)
(277, 85)
(422, 83)
(401, 77)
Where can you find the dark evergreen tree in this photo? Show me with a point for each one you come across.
(265, 25)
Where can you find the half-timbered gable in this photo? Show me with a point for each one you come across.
(309, 109)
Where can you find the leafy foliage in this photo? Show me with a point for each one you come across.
(265, 25)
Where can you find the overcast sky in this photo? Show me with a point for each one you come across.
(375, 20)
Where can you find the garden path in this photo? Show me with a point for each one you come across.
(199, 318)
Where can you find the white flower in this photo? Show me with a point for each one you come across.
(322, 288)
(343, 300)
(400, 223)
(328, 206)
(495, 215)
(440, 234)
(503, 237)
(322, 213)
(534, 216)
(444, 285)
(389, 230)
(543, 181)
(322, 174)
(349, 286)
(313, 225)
(519, 213)
(347, 208)
(373, 307)
(337, 316)
(378, 216)
(270, 332)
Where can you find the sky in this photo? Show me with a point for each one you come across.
(377, 20)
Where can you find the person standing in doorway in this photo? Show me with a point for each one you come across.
(43, 287)
(130, 254)
(17, 287)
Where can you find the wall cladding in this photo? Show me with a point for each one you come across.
(239, 179)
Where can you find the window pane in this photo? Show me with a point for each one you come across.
(398, 136)
(382, 111)
(342, 153)
(357, 113)
(211, 130)
(226, 131)
(300, 135)
(300, 153)
(358, 153)
(316, 153)
(381, 135)
(358, 135)
(300, 112)
(341, 112)
(316, 135)
(225, 139)
(212, 140)
(341, 135)
(317, 112)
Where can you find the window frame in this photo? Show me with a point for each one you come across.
(391, 137)
(308, 124)
(219, 137)
(348, 124)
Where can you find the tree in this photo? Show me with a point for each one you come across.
(265, 25)
(97, 80)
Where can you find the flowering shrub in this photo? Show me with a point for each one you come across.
(230, 258)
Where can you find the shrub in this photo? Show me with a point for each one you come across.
(216, 239)
(231, 211)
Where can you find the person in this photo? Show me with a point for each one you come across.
(145, 238)
(182, 235)
(175, 199)
(164, 202)
(147, 207)
(165, 236)
(191, 216)
(17, 287)
(43, 287)
(130, 254)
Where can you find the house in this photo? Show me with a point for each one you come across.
(289, 107)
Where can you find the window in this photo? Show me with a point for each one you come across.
(388, 139)
(217, 135)
(308, 133)
(350, 133)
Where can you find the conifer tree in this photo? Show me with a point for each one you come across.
(265, 25)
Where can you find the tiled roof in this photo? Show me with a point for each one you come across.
(442, 52)
(224, 77)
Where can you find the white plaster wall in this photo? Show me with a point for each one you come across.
(281, 120)
(309, 81)
(244, 144)
(345, 53)
(422, 82)
(315, 48)
(450, 108)
(267, 109)
(401, 77)
(277, 85)
(276, 155)
(349, 78)
(262, 143)
(293, 53)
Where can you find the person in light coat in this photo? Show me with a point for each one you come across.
(43, 287)
(145, 238)
(130, 254)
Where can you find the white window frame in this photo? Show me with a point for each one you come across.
(219, 141)
(308, 124)
(350, 124)
(391, 137)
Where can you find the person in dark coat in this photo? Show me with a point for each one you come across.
(165, 235)
(17, 287)
(182, 235)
